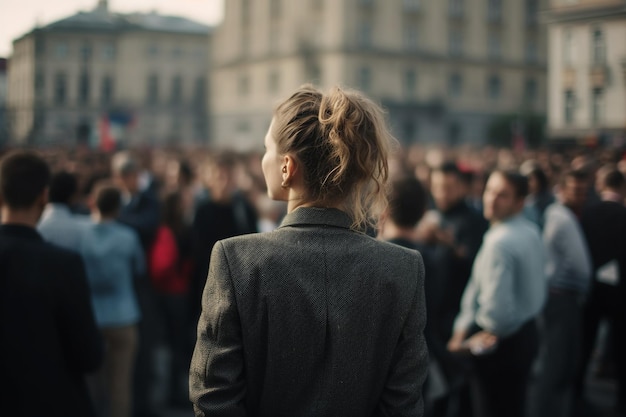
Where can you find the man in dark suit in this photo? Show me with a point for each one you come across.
(140, 211)
(49, 339)
(604, 225)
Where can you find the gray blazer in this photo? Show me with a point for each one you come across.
(312, 319)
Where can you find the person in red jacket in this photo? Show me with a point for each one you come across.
(170, 268)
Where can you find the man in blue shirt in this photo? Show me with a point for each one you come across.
(506, 291)
(113, 258)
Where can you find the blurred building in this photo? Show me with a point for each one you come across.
(444, 69)
(587, 70)
(4, 126)
(110, 77)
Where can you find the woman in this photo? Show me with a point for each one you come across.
(170, 265)
(315, 318)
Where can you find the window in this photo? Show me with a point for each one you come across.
(245, 27)
(61, 50)
(85, 51)
(455, 8)
(599, 47)
(245, 13)
(177, 90)
(364, 79)
(494, 11)
(39, 83)
(152, 95)
(455, 85)
(273, 38)
(106, 95)
(410, 83)
(494, 47)
(366, 3)
(411, 5)
(411, 36)
(199, 98)
(409, 129)
(532, 12)
(317, 5)
(569, 104)
(275, 9)
(530, 90)
(454, 133)
(365, 33)
(83, 88)
(273, 82)
(243, 85)
(40, 47)
(108, 51)
(597, 105)
(569, 48)
(60, 89)
(494, 87)
(455, 43)
(153, 50)
(314, 74)
(532, 55)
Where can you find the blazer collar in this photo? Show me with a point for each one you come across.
(317, 216)
(18, 230)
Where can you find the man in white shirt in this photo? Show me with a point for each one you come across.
(57, 224)
(505, 293)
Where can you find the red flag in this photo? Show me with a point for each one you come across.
(107, 143)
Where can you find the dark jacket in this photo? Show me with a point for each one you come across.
(48, 336)
(604, 225)
(142, 214)
(313, 319)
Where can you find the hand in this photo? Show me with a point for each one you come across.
(427, 233)
(481, 343)
(445, 237)
(456, 343)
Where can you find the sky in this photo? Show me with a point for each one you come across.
(18, 17)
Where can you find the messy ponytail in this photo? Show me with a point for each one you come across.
(342, 143)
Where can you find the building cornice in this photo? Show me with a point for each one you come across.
(412, 57)
(575, 14)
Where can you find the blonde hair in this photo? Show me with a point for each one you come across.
(342, 142)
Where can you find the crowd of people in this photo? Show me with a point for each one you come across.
(523, 256)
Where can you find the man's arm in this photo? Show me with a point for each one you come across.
(216, 377)
(465, 318)
(497, 298)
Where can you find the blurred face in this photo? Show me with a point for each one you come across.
(533, 185)
(129, 183)
(574, 192)
(447, 190)
(219, 181)
(272, 165)
(499, 199)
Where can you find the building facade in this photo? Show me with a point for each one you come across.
(4, 125)
(587, 70)
(102, 76)
(443, 69)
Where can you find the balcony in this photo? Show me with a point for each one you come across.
(569, 78)
(599, 76)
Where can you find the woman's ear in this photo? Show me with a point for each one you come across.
(289, 168)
